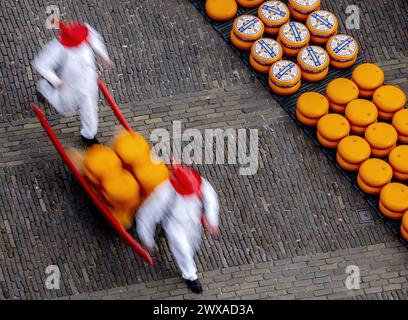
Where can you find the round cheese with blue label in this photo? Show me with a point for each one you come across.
(248, 27)
(304, 6)
(273, 13)
(266, 51)
(285, 73)
(294, 35)
(313, 59)
(342, 48)
(322, 23)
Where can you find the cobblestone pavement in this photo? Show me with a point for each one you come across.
(288, 232)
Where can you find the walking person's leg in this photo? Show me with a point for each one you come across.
(88, 113)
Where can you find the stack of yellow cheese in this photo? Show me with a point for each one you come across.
(400, 123)
(246, 29)
(314, 62)
(352, 151)
(293, 36)
(404, 226)
(273, 14)
(264, 53)
(131, 148)
(389, 100)
(394, 200)
(322, 25)
(398, 159)
(151, 174)
(310, 107)
(249, 3)
(221, 10)
(285, 77)
(331, 129)
(341, 92)
(368, 77)
(361, 113)
(373, 175)
(301, 9)
(343, 51)
(382, 138)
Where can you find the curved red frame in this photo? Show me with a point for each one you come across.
(144, 254)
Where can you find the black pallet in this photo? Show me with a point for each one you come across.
(288, 103)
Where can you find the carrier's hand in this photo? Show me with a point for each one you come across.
(61, 85)
(108, 64)
(214, 231)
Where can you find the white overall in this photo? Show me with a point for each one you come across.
(76, 67)
(180, 217)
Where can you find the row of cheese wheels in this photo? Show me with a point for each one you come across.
(125, 174)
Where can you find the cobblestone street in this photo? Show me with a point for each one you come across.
(288, 232)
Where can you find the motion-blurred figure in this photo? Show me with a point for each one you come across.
(181, 205)
(67, 64)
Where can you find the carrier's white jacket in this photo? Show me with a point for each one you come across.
(76, 67)
(180, 217)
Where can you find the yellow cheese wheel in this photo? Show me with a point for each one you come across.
(266, 51)
(151, 175)
(368, 76)
(261, 68)
(249, 3)
(325, 142)
(389, 213)
(121, 190)
(285, 91)
(285, 73)
(400, 122)
(394, 196)
(131, 148)
(405, 221)
(305, 120)
(381, 135)
(124, 217)
(389, 99)
(403, 139)
(375, 172)
(315, 77)
(240, 44)
(357, 130)
(342, 65)
(312, 105)
(338, 108)
(294, 35)
(342, 48)
(398, 158)
(346, 165)
(367, 188)
(322, 24)
(273, 14)
(354, 149)
(313, 59)
(404, 233)
(400, 176)
(221, 10)
(381, 153)
(333, 127)
(98, 161)
(361, 112)
(248, 27)
(368, 94)
(341, 91)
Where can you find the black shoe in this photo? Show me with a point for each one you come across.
(194, 285)
(89, 142)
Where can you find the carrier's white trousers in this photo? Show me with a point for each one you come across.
(67, 105)
(183, 251)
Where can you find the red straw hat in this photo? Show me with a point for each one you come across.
(72, 34)
(186, 181)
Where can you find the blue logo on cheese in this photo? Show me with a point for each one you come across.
(267, 49)
(322, 20)
(289, 67)
(248, 24)
(312, 54)
(295, 31)
(342, 45)
(274, 10)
